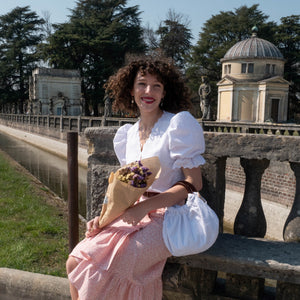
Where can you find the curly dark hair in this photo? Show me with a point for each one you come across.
(120, 85)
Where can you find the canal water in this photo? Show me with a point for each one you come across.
(51, 170)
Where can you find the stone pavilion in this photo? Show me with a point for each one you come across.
(252, 88)
(55, 92)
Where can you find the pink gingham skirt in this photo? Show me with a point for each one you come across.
(122, 262)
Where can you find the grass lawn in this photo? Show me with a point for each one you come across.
(33, 223)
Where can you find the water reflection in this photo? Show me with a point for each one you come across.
(48, 168)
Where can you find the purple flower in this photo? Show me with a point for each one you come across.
(134, 169)
(136, 175)
(144, 169)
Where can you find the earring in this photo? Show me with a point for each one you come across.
(132, 99)
(161, 103)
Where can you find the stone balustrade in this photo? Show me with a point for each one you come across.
(238, 266)
(58, 126)
(80, 123)
(64, 123)
(249, 127)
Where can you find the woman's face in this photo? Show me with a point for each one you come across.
(147, 92)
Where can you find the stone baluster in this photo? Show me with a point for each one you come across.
(250, 220)
(291, 231)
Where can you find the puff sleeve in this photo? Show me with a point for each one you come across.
(120, 141)
(186, 141)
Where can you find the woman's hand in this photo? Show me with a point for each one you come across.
(133, 215)
(92, 227)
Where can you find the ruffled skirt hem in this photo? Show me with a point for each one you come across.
(122, 262)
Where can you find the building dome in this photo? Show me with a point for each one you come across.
(253, 47)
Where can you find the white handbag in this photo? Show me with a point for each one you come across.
(191, 228)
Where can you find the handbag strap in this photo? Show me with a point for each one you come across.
(187, 185)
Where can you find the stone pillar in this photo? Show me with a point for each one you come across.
(101, 161)
(250, 220)
(213, 176)
(291, 231)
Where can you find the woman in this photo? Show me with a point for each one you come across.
(125, 260)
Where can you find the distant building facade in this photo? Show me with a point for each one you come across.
(252, 88)
(55, 92)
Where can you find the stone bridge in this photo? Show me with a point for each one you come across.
(240, 266)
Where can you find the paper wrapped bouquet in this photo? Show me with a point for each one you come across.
(126, 186)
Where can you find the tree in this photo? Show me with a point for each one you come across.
(151, 39)
(175, 37)
(47, 26)
(19, 36)
(218, 35)
(95, 41)
(287, 39)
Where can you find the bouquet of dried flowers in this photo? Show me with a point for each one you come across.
(126, 186)
(135, 174)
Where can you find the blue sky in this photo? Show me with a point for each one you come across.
(154, 11)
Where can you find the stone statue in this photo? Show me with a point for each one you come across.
(82, 106)
(40, 107)
(25, 107)
(107, 106)
(66, 106)
(204, 94)
(64, 112)
(51, 106)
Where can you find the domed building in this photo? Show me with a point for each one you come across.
(252, 88)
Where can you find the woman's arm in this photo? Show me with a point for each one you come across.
(174, 195)
(193, 176)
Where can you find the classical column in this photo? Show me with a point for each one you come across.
(291, 231)
(250, 220)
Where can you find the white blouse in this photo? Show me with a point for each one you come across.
(177, 139)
